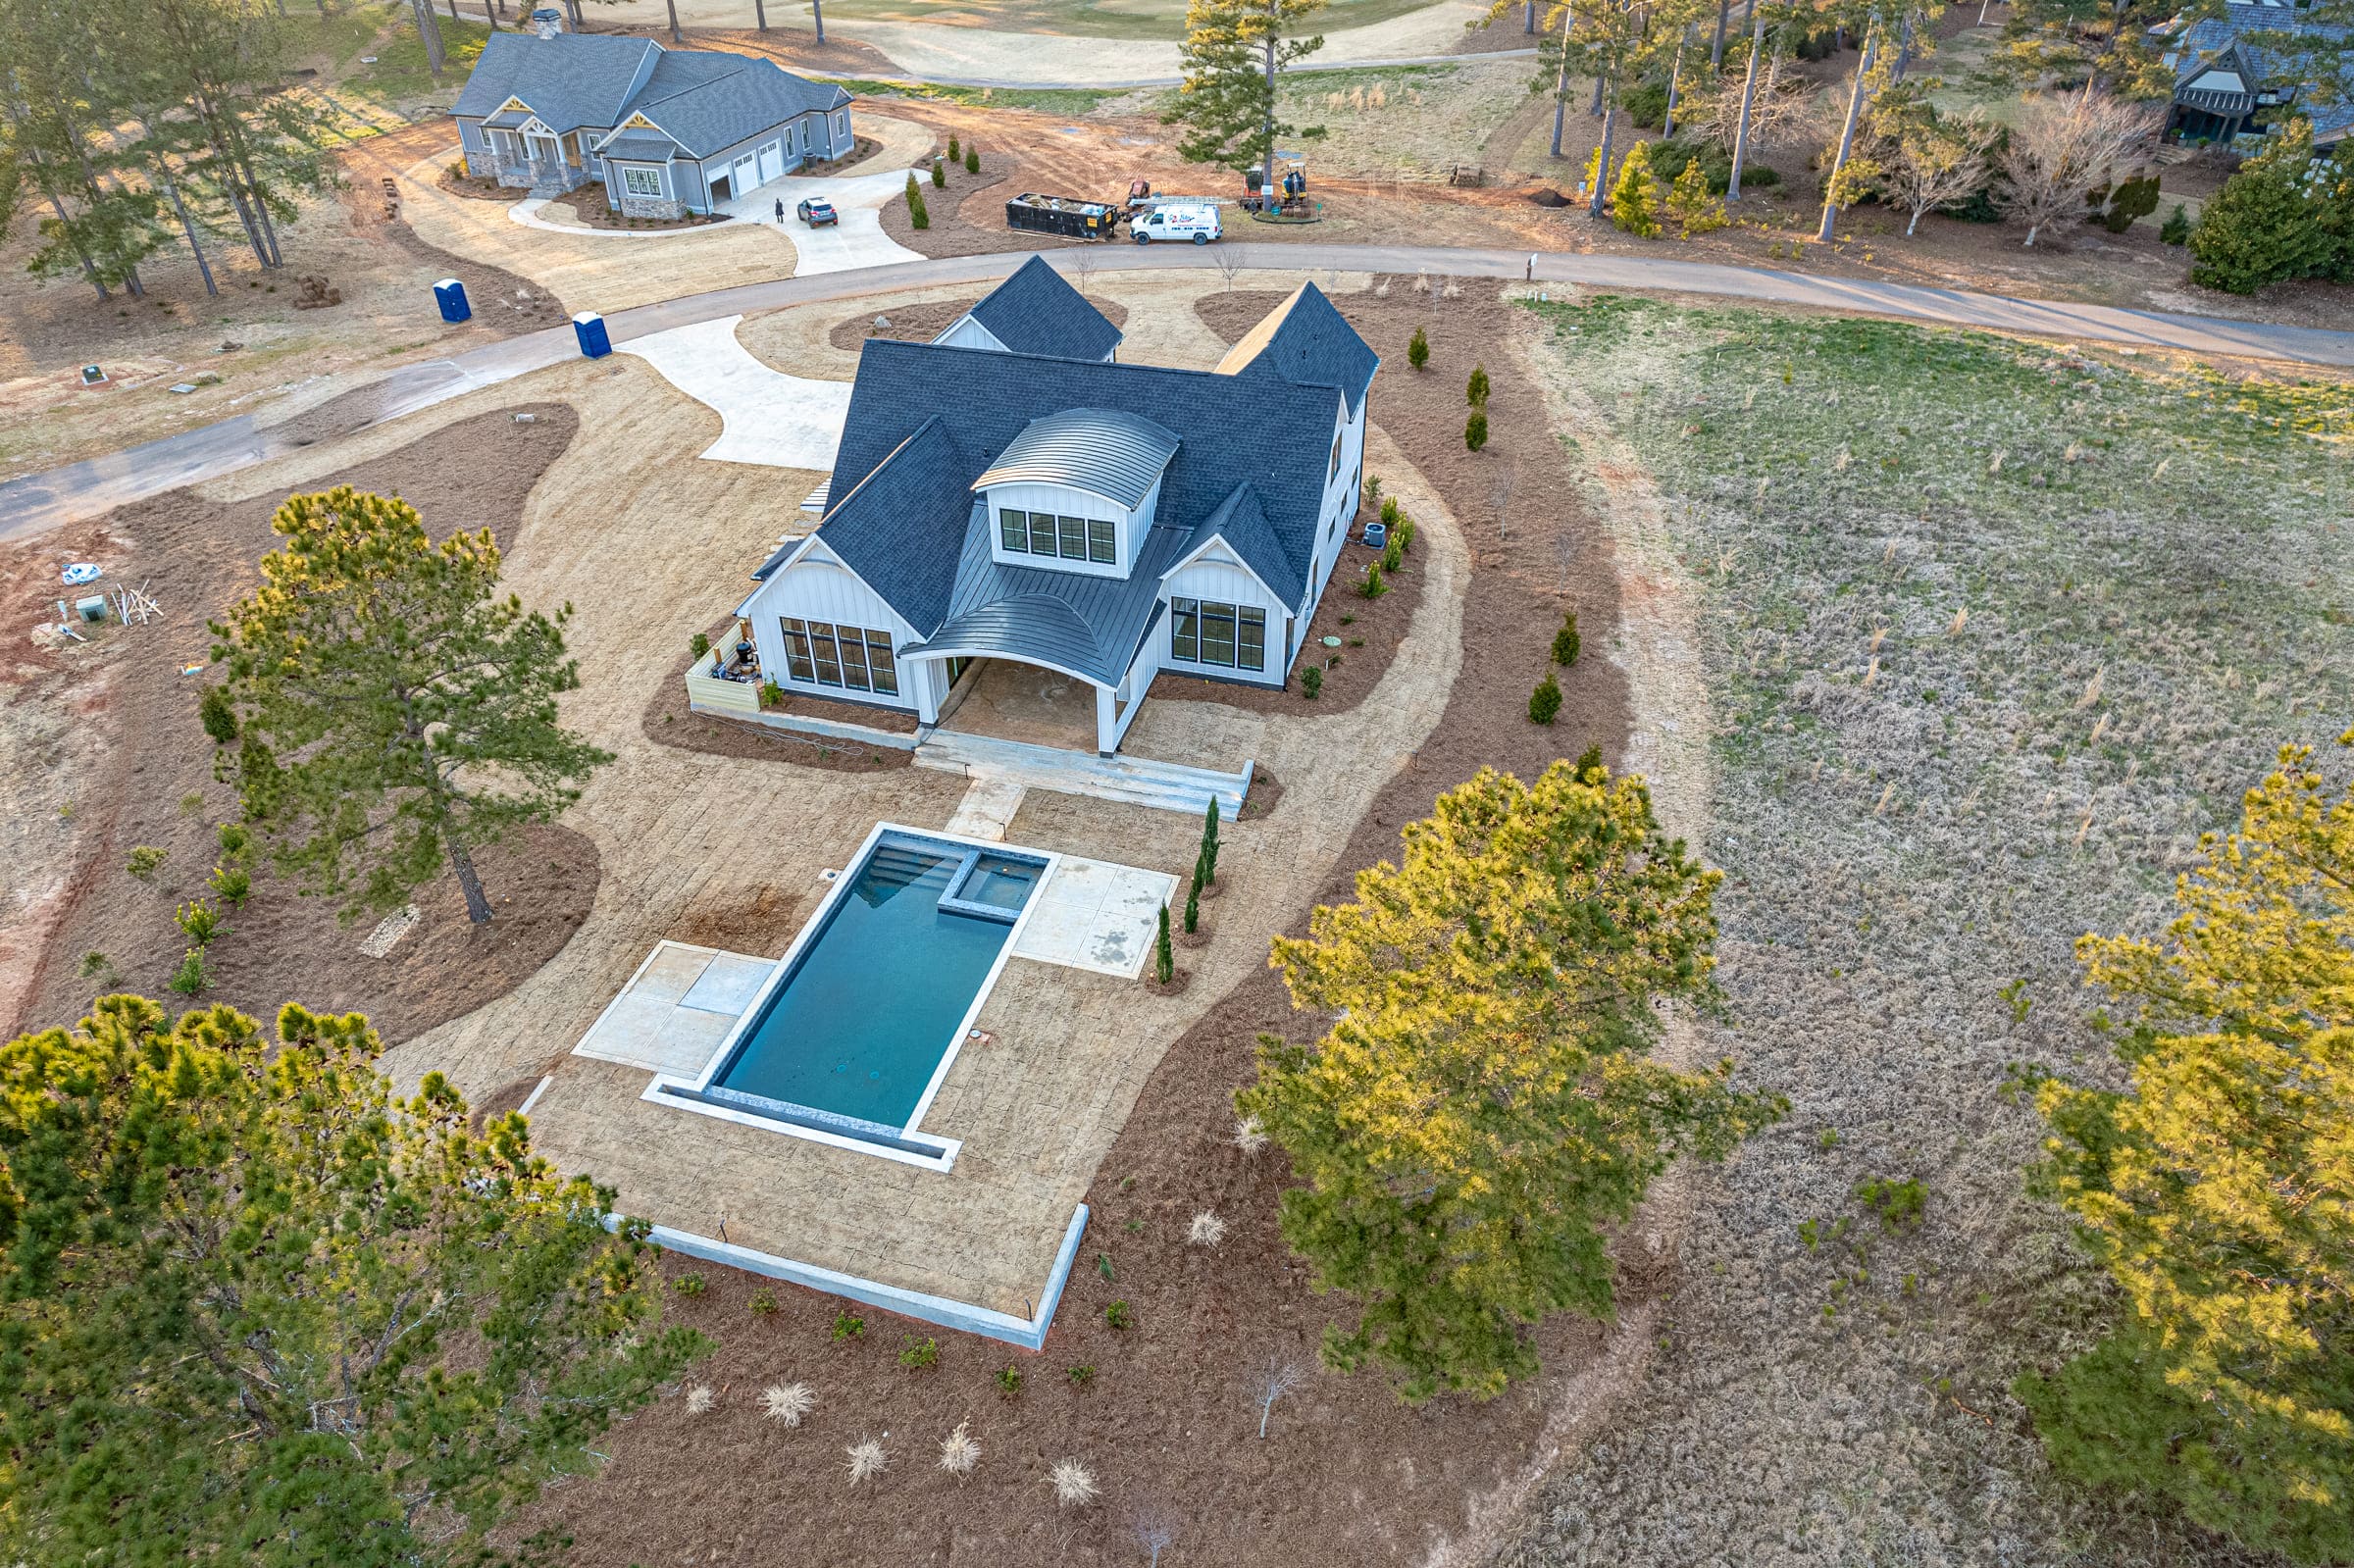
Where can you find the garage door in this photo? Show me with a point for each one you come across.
(745, 180)
(772, 161)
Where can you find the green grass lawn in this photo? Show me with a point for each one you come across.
(1991, 632)
(372, 52)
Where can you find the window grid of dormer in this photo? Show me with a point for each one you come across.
(1093, 539)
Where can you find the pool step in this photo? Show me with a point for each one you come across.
(892, 866)
(1131, 780)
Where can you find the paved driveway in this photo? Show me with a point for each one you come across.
(854, 242)
(765, 416)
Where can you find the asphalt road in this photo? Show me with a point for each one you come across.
(89, 488)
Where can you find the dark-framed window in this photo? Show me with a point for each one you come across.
(829, 662)
(1207, 632)
(883, 662)
(1042, 533)
(1014, 529)
(1074, 538)
(853, 659)
(1102, 543)
(1093, 539)
(797, 649)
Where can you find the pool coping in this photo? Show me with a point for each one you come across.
(1028, 1333)
(686, 1094)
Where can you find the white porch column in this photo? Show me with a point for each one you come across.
(931, 679)
(1108, 723)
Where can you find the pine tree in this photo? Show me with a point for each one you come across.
(1417, 349)
(1691, 206)
(1484, 1108)
(956, 151)
(394, 714)
(918, 216)
(972, 160)
(2176, 231)
(260, 1310)
(2263, 227)
(2213, 1189)
(940, 174)
(1234, 56)
(1635, 198)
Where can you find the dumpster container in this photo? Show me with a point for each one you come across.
(451, 295)
(590, 328)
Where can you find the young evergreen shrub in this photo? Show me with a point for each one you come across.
(191, 976)
(1589, 763)
(1646, 103)
(1373, 587)
(1417, 349)
(2176, 231)
(1635, 197)
(1691, 206)
(1311, 682)
(1475, 429)
(1164, 962)
(1390, 514)
(231, 884)
(218, 716)
(940, 174)
(234, 839)
(2131, 200)
(956, 151)
(145, 859)
(1565, 641)
(1403, 533)
(972, 160)
(916, 215)
(1209, 842)
(1545, 701)
(1192, 901)
(698, 644)
(1393, 554)
(1475, 390)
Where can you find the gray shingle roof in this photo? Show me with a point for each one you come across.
(897, 524)
(1306, 342)
(706, 99)
(1101, 450)
(639, 147)
(570, 80)
(1035, 312)
(1243, 525)
(1256, 428)
(1090, 626)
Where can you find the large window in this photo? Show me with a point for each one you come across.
(1093, 539)
(641, 181)
(1205, 631)
(856, 658)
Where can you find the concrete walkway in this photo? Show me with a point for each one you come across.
(765, 416)
(93, 486)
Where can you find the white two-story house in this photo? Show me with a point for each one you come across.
(1011, 491)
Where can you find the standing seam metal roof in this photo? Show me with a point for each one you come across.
(1102, 450)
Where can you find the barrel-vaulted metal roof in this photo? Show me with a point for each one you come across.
(1103, 451)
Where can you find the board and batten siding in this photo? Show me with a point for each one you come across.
(970, 334)
(818, 589)
(1341, 493)
(1063, 500)
(1226, 582)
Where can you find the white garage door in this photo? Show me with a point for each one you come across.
(772, 161)
(744, 175)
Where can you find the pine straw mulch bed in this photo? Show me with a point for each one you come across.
(1166, 1418)
(956, 231)
(155, 784)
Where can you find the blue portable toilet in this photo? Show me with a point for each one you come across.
(451, 295)
(590, 328)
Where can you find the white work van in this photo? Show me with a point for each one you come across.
(1197, 223)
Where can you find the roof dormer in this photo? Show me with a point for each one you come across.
(1076, 491)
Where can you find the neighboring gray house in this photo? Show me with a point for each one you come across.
(668, 132)
(1018, 495)
(2229, 84)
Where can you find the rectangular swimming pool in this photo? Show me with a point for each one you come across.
(853, 1033)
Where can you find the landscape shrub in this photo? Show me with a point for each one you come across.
(1897, 1203)
(1390, 514)
(1589, 762)
(1417, 349)
(699, 644)
(1164, 962)
(1646, 103)
(940, 174)
(232, 839)
(145, 859)
(231, 884)
(1691, 206)
(1545, 702)
(848, 1326)
(1192, 901)
(1008, 1379)
(1565, 641)
(972, 160)
(1635, 197)
(1208, 859)
(1393, 553)
(919, 1354)
(1475, 429)
(1403, 533)
(191, 976)
(690, 1285)
(2131, 200)
(1082, 1376)
(1475, 390)
(1311, 682)
(1375, 584)
(197, 921)
(917, 217)
(772, 696)
(2176, 231)
(956, 151)
(764, 1302)
(1671, 159)
(218, 715)
(1120, 1315)
(2263, 227)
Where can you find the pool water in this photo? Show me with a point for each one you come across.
(876, 999)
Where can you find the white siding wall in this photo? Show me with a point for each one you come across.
(1228, 583)
(821, 590)
(1129, 528)
(1341, 492)
(970, 334)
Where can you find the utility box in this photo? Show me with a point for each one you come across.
(590, 328)
(451, 295)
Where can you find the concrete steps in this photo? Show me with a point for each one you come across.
(1131, 780)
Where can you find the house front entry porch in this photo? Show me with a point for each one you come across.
(1002, 700)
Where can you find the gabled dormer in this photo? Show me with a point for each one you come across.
(1076, 492)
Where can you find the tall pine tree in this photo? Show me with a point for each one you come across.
(1235, 54)
(1484, 1104)
(2216, 1189)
